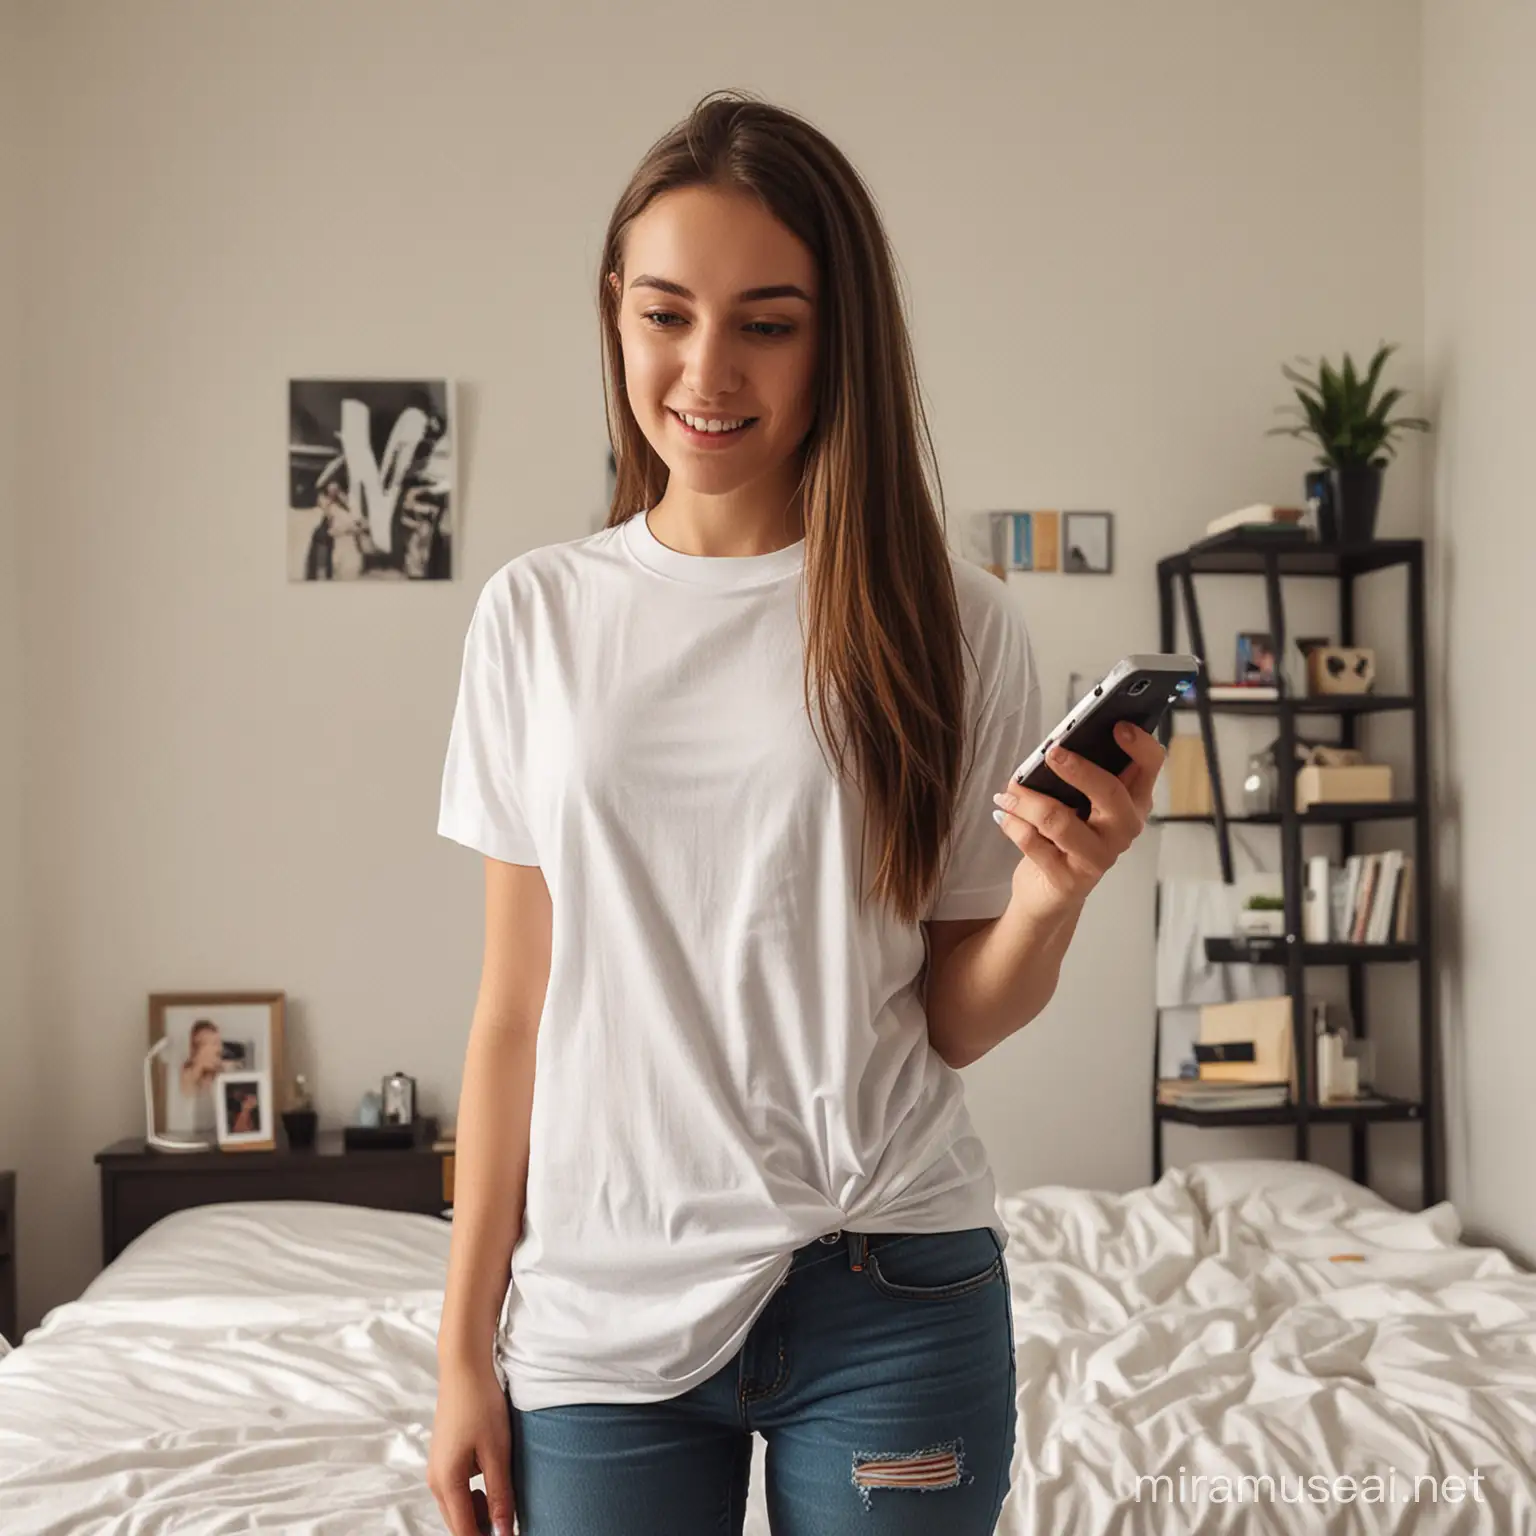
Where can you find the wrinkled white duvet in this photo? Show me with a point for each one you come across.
(271, 1368)
(1207, 1323)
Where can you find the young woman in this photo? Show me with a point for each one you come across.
(746, 937)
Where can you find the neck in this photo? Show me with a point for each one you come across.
(748, 521)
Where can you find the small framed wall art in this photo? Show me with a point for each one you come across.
(370, 479)
(1089, 541)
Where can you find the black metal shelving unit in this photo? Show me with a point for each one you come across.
(1271, 559)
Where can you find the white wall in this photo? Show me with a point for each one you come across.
(16, 1067)
(1480, 329)
(1115, 220)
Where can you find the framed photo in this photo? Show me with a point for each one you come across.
(370, 479)
(1047, 540)
(211, 1034)
(243, 1107)
(1255, 658)
(1021, 541)
(1088, 543)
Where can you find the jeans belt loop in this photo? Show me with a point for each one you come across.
(857, 1248)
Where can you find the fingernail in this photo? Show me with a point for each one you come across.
(999, 817)
(1123, 732)
(1004, 799)
(1060, 755)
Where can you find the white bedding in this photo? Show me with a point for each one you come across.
(255, 1367)
(271, 1367)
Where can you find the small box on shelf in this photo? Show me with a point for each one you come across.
(419, 1132)
(1361, 783)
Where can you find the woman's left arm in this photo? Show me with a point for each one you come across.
(992, 982)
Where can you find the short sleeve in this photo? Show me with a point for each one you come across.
(978, 879)
(479, 805)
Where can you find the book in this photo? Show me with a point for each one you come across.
(1190, 1093)
(1404, 933)
(1314, 901)
(1379, 928)
(1259, 517)
(1346, 926)
(1218, 691)
(1338, 905)
(1370, 873)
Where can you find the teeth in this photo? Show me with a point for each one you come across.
(701, 424)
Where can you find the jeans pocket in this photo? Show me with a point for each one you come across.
(934, 1266)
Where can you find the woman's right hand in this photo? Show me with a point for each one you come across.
(471, 1433)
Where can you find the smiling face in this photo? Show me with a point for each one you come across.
(717, 322)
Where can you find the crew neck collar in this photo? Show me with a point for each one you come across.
(718, 571)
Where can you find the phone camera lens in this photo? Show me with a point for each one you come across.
(1139, 687)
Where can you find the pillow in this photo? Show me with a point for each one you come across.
(268, 1248)
(1221, 1183)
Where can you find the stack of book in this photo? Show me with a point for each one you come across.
(1260, 518)
(1202, 1094)
(1223, 691)
(1368, 901)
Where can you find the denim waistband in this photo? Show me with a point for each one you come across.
(851, 1247)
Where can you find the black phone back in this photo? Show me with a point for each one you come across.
(1142, 696)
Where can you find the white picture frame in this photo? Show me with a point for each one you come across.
(243, 1109)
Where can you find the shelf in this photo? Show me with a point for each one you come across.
(1273, 951)
(1321, 704)
(1382, 1107)
(1227, 554)
(1321, 815)
(1266, 558)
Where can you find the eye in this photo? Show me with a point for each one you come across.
(769, 329)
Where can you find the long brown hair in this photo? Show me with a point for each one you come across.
(883, 638)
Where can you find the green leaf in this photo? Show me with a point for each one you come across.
(1339, 411)
(1382, 354)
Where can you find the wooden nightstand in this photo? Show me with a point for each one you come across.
(138, 1186)
(9, 1327)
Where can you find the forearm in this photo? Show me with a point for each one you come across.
(490, 1184)
(994, 981)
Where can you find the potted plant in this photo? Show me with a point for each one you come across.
(1262, 917)
(1357, 435)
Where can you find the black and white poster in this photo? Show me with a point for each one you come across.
(370, 480)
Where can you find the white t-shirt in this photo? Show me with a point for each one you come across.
(732, 1057)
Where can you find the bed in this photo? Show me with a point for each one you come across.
(271, 1367)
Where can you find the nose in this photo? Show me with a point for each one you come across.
(710, 369)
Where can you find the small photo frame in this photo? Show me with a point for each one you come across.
(243, 1107)
(1046, 531)
(211, 1034)
(1255, 658)
(1088, 543)
(1021, 541)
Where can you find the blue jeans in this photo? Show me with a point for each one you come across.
(881, 1374)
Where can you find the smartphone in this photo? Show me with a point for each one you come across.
(1139, 689)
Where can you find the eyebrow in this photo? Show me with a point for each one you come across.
(748, 296)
